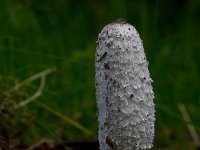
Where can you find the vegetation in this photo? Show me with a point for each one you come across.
(40, 35)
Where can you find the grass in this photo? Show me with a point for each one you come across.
(37, 35)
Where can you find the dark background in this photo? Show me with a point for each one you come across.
(40, 34)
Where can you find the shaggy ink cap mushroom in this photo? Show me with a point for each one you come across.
(123, 89)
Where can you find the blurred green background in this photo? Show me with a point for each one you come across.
(37, 35)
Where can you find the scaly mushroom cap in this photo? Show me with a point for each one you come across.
(123, 90)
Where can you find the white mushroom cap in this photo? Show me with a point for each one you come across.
(123, 89)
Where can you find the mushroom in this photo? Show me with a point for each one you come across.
(124, 93)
